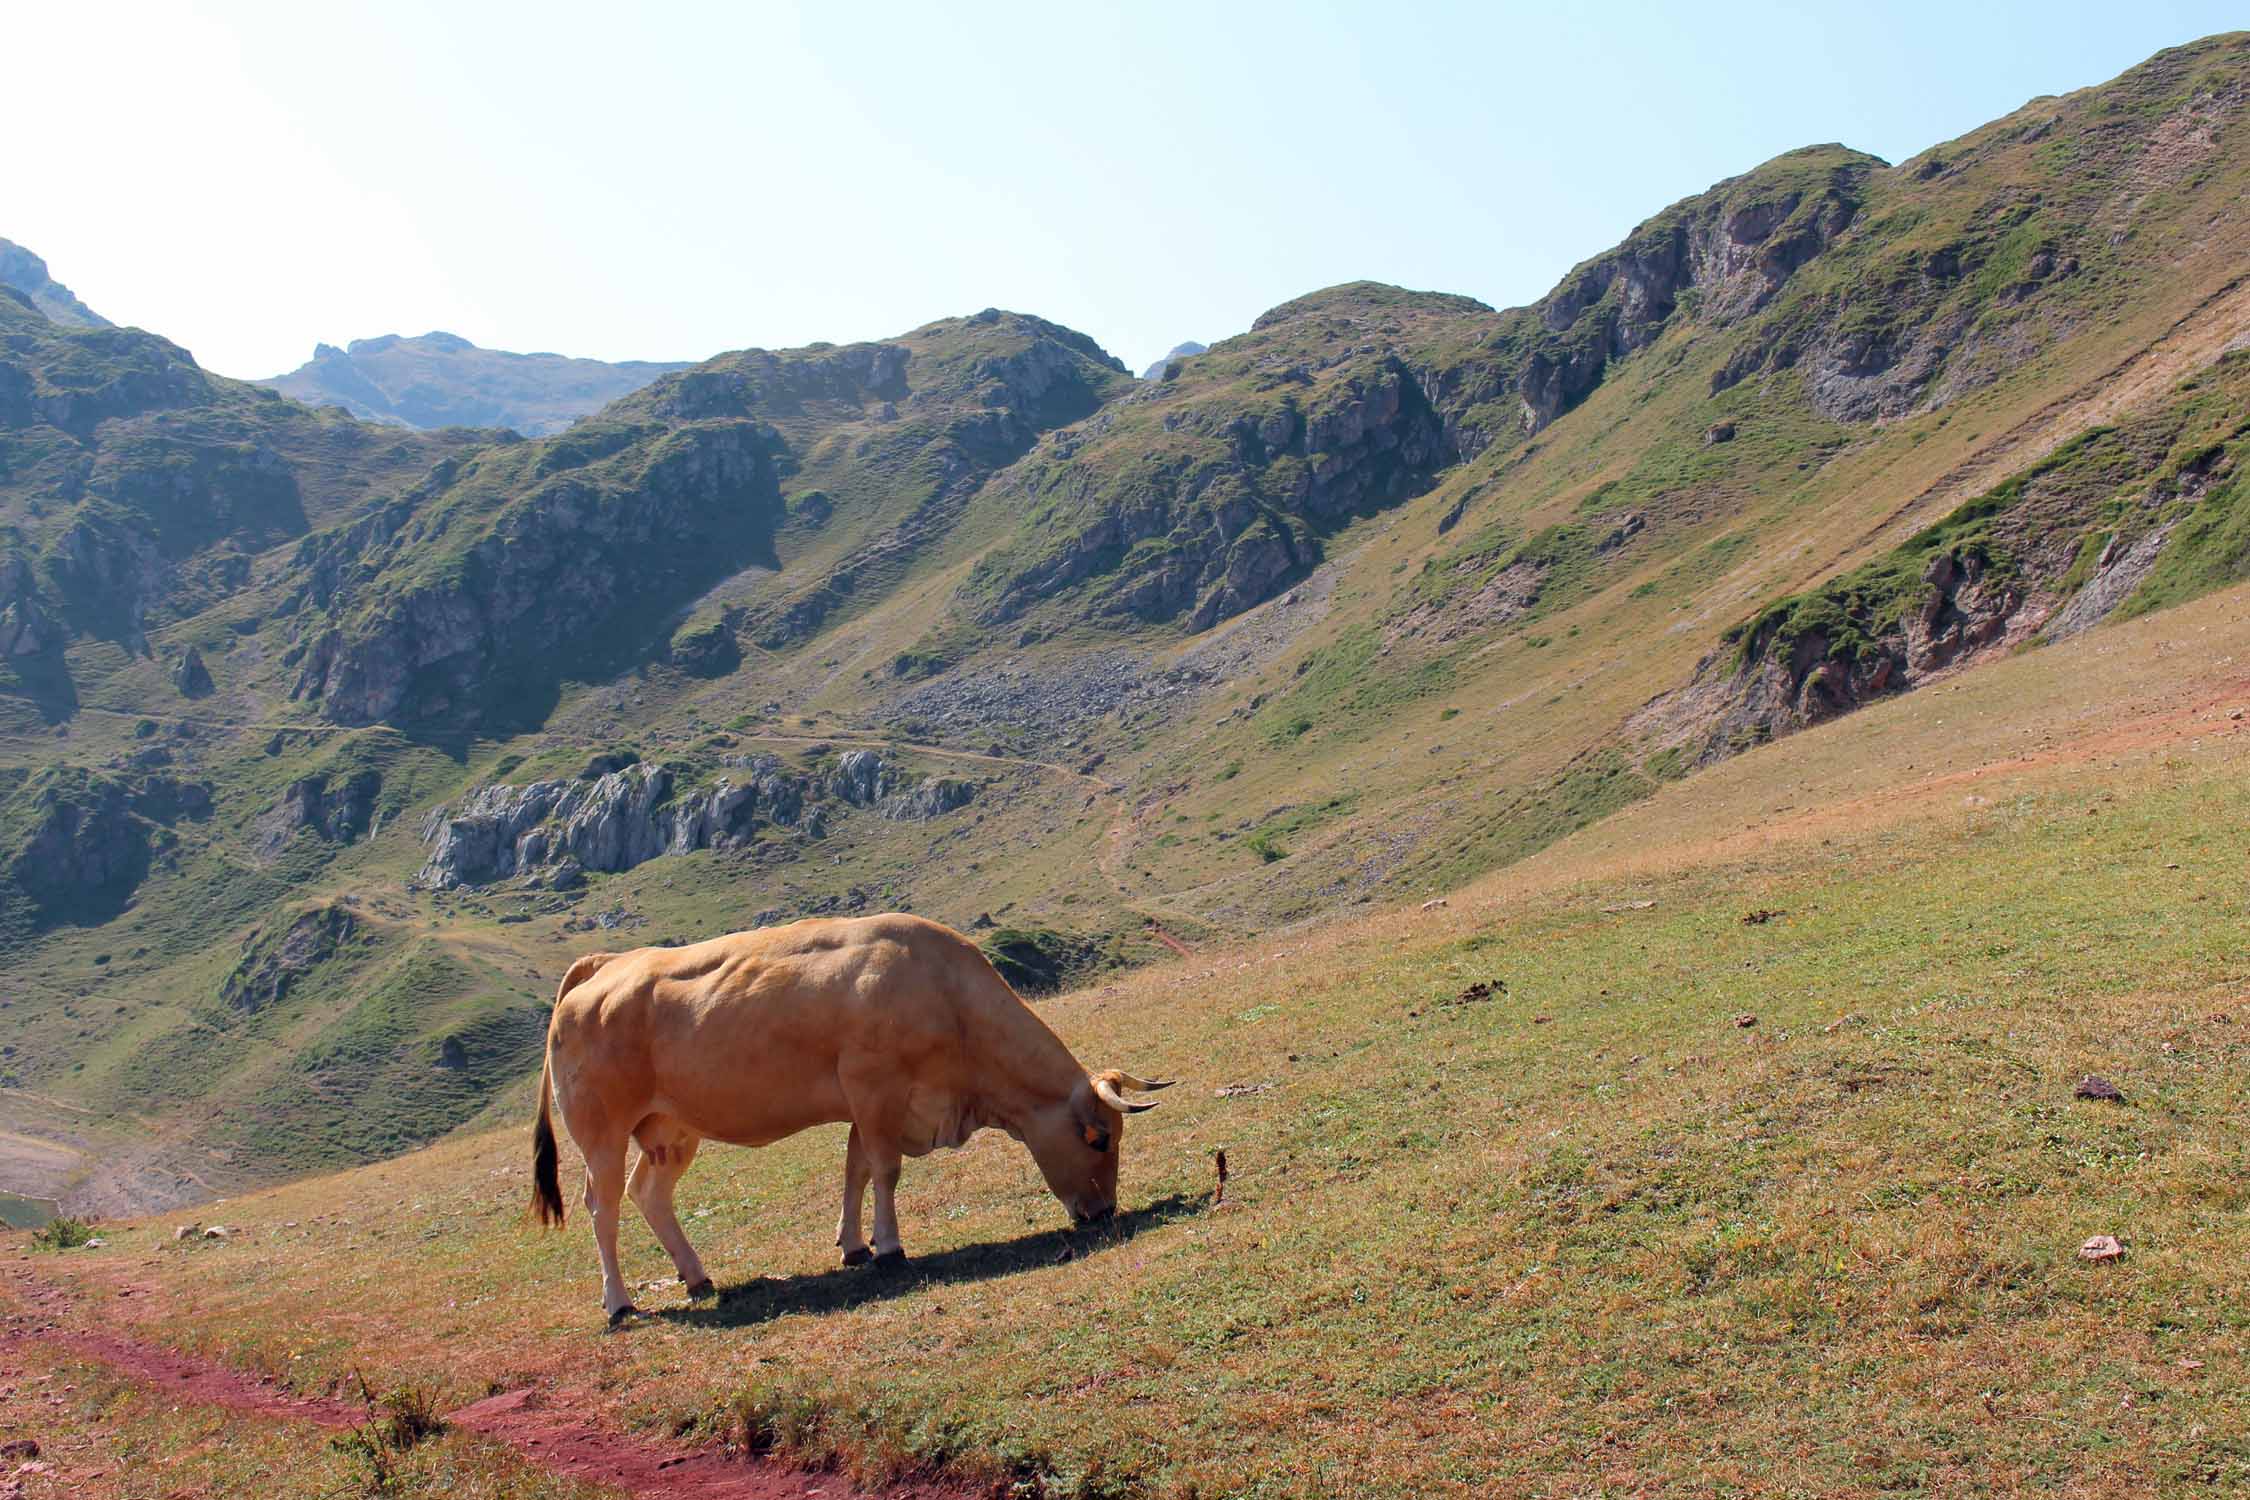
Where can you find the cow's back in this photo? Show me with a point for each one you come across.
(747, 1037)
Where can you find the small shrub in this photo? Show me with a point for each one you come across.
(410, 1416)
(62, 1234)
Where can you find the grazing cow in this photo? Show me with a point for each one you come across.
(893, 1023)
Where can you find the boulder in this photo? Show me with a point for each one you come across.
(191, 676)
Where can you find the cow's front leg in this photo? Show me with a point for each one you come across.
(882, 1164)
(848, 1238)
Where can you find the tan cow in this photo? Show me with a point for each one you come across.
(893, 1023)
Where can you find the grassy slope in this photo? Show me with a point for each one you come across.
(1591, 1234)
(1381, 764)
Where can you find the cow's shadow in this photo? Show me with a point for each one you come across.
(749, 1303)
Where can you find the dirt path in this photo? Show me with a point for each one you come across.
(2193, 340)
(541, 1425)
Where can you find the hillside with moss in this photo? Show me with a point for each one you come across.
(1388, 591)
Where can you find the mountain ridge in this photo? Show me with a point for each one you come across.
(439, 379)
(1387, 590)
(26, 273)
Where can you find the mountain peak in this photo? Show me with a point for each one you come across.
(440, 379)
(27, 273)
(1176, 352)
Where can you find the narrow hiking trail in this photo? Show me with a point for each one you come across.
(541, 1424)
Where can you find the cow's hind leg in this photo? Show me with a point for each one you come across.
(666, 1149)
(605, 1195)
(848, 1237)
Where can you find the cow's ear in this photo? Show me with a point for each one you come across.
(1095, 1136)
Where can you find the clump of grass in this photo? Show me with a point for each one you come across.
(399, 1421)
(409, 1416)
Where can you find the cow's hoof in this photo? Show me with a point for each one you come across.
(702, 1289)
(617, 1318)
(859, 1257)
(890, 1260)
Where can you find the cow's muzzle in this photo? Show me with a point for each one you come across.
(1102, 1215)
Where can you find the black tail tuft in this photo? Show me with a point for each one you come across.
(546, 1178)
(546, 1191)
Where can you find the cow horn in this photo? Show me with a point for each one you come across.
(1141, 1085)
(1106, 1091)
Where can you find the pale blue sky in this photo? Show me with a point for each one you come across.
(667, 181)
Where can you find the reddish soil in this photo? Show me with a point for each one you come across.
(538, 1424)
(1170, 941)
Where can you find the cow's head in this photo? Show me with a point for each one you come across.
(1076, 1141)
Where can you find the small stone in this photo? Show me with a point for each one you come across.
(20, 1448)
(2094, 1086)
(187, 1231)
(1746, 1019)
(2101, 1247)
(1433, 905)
(216, 1232)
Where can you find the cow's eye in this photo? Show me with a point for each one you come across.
(1097, 1138)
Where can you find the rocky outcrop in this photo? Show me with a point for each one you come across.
(191, 676)
(706, 648)
(1734, 247)
(931, 797)
(1209, 528)
(79, 841)
(274, 961)
(550, 572)
(25, 628)
(1783, 677)
(629, 816)
(336, 807)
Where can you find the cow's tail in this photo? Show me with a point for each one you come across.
(546, 1178)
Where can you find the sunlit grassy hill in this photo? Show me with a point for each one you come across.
(1732, 1143)
(325, 745)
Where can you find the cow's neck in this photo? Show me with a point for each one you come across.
(1023, 1066)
